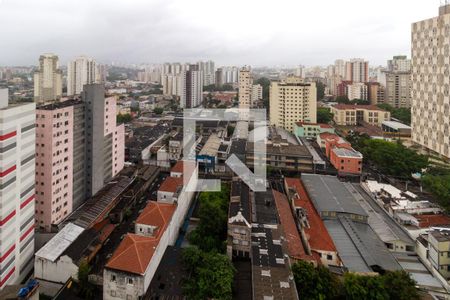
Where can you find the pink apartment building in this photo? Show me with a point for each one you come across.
(79, 148)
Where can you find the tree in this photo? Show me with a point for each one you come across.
(402, 114)
(391, 158)
(364, 287)
(86, 288)
(324, 115)
(314, 283)
(437, 182)
(211, 274)
(123, 118)
(320, 90)
(158, 110)
(400, 286)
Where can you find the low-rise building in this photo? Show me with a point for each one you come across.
(317, 240)
(395, 129)
(311, 130)
(352, 115)
(342, 156)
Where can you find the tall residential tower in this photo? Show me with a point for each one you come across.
(47, 80)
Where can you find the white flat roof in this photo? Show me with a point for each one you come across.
(60, 242)
(396, 125)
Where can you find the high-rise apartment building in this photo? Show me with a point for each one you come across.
(292, 100)
(357, 90)
(257, 93)
(78, 149)
(339, 68)
(81, 71)
(357, 70)
(300, 71)
(17, 173)
(208, 70)
(47, 79)
(245, 88)
(105, 141)
(191, 87)
(375, 93)
(398, 82)
(430, 63)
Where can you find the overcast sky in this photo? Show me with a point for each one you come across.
(230, 32)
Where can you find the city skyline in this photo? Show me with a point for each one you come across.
(162, 31)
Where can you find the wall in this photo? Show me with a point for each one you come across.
(59, 271)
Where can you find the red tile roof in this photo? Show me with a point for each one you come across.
(317, 234)
(156, 214)
(133, 254)
(352, 106)
(183, 165)
(426, 221)
(171, 184)
(294, 242)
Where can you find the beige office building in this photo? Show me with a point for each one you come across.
(292, 100)
(431, 82)
(47, 79)
(398, 82)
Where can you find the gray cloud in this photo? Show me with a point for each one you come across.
(282, 32)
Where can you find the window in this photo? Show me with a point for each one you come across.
(329, 257)
(113, 278)
(130, 281)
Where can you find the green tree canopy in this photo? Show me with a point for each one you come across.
(437, 181)
(402, 114)
(123, 118)
(391, 158)
(211, 274)
(158, 110)
(324, 115)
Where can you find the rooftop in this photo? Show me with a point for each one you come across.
(171, 184)
(426, 221)
(321, 125)
(343, 152)
(330, 195)
(396, 125)
(156, 214)
(212, 146)
(354, 106)
(59, 105)
(317, 234)
(133, 254)
(294, 243)
(241, 190)
(441, 235)
(60, 242)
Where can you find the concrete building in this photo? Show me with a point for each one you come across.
(359, 247)
(339, 68)
(60, 161)
(357, 70)
(398, 82)
(430, 113)
(209, 72)
(47, 79)
(245, 88)
(17, 173)
(81, 71)
(346, 160)
(300, 71)
(375, 93)
(314, 235)
(357, 90)
(129, 271)
(292, 101)
(351, 115)
(257, 93)
(311, 130)
(191, 85)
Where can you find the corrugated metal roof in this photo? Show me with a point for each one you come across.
(60, 242)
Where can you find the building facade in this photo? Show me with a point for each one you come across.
(17, 173)
(351, 115)
(357, 90)
(245, 88)
(291, 101)
(81, 71)
(430, 61)
(47, 79)
(357, 70)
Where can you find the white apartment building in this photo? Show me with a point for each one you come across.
(291, 101)
(245, 88)
(430, 62)
(357, 90)
(17, 196)
(47, 79)
(257, 93)
(357, 70)
(81, 71)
